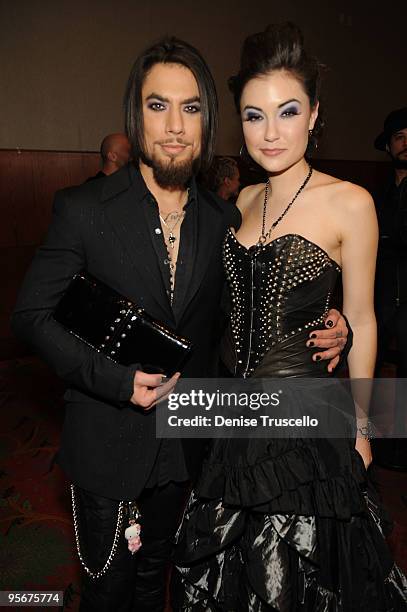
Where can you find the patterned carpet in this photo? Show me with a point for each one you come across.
(36, 536)
(36, 540)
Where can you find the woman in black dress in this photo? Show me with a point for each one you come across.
(287, 524)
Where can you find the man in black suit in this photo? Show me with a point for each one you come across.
(148, 232)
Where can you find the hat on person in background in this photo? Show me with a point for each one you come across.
(395, 121)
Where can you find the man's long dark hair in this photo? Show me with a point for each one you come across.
(174, 51)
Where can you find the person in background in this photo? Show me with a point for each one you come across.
(391, 273)
(114, 153)
(223, 178)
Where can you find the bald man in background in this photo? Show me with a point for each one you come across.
(115, 153)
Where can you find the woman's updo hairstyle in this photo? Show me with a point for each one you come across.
(279, 47)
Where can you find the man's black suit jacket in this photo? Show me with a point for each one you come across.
(109, 445)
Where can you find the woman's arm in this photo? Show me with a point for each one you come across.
(359, 237)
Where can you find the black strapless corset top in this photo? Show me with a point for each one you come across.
(280, 292)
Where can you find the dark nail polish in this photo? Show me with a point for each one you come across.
(330, 323)
(318, 358)
(311, 343)
(313, 336)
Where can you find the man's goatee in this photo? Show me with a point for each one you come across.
(172, 174)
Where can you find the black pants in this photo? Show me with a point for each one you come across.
(392, 322)
(133, 583)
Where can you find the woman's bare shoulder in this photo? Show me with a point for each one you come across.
(353, 198)
(248, 195)
(344, 193)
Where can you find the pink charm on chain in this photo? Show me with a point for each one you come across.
(132, 535)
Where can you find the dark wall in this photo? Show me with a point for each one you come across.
(65, 64)
(28, 182)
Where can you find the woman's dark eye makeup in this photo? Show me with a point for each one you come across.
(288, 111)
(251, 115)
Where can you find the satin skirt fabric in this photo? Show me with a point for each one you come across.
(252, 558)
(291, 525)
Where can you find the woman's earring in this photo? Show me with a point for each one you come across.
(248, 161)
(312, 142)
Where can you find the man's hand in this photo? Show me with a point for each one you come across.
(332, 339)
(149, 389)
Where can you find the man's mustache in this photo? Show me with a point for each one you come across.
(177, 141)
(402, 152)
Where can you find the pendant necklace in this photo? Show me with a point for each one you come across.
(178, 216)
(171, 239)
(266, 235)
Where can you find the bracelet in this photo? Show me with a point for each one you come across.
(366, 432)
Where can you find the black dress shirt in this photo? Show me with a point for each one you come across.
(187, 246)
(170, 464)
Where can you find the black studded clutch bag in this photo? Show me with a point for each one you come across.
(118, 328)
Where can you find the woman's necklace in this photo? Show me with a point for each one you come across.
(175, 218)
(265, 236)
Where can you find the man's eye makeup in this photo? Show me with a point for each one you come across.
(192, 108)
(156, 106)
(156, 103)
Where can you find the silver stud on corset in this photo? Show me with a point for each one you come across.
(297, 262)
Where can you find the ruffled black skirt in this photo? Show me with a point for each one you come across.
(287, 525)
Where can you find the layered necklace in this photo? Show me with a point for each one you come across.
(172, 218)
(169, 225)
(264, 236)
